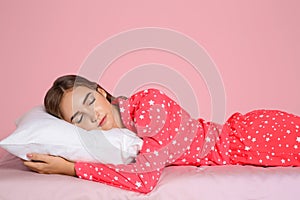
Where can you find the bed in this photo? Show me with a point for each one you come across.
(176, 182)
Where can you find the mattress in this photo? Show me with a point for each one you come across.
(176, 182)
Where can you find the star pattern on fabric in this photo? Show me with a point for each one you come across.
(138, 184)
(151, 102)
(122, 109)
(274, 133)
(247, 148)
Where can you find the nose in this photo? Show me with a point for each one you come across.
(95, 117)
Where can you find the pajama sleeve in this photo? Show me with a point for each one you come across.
(167, 131)
(129, 178)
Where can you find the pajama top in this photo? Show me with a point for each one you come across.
(172, 137)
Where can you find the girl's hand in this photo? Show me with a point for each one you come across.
(46, 164)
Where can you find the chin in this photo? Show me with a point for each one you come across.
(105, 129)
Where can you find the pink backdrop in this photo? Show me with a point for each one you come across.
(254, 44)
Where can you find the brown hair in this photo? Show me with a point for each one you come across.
(65, 83)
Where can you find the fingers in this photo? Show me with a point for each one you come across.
(38, 162)
(38, 157)
(36, 166)
(46, 164)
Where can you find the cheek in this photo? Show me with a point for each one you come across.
(102, 104)
(86, 126)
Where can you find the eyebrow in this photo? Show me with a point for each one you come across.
(84, 100)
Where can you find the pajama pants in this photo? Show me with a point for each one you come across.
(264, 138)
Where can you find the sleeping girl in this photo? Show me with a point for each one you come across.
(170, 136)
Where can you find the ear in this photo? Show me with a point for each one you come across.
(102, 92)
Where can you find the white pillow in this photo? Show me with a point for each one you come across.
(39, 132)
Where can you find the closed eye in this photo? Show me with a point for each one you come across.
(88, 98)
(92, 101)
(80, 119)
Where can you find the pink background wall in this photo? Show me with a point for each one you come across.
(254, 44)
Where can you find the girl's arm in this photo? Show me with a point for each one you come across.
(138, 181)
(130, 178)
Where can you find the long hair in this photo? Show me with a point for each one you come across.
(65, 83)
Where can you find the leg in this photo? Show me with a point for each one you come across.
(265, 138)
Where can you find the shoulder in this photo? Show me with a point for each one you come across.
(140, 96)
(152, 98)
(150, 94)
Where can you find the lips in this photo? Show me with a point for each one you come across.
(102, 121)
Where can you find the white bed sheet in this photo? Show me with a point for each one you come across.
(199, 183)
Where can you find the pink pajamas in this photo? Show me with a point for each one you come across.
(265, 137)
(172, 137)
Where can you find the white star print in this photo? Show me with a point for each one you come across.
(253, 140)
(141, 116)
(247, 148)
(122, 109)
(298, 139)
(138, 184)
(155, 153)
(207, 139)
(151, 102)
(116, 178)
(282, 160)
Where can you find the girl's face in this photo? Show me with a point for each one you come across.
(88, 109)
